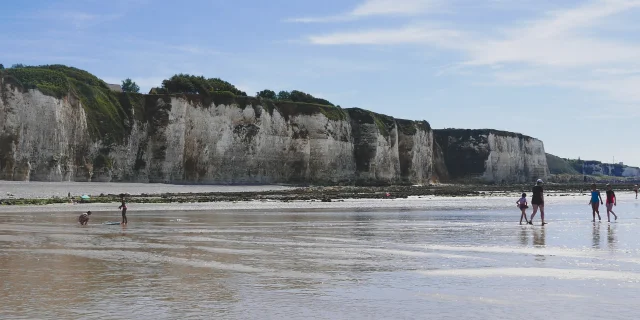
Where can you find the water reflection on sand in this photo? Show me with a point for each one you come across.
(351, 264)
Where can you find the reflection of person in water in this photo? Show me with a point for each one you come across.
(611, 237)
(596, 236)
(524, 236)
(539, 237)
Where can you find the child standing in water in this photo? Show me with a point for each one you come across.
(595, 204)
(537, 200)
(522, 204)
(611, 201)
(123, 207)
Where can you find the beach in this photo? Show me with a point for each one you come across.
(432, 256)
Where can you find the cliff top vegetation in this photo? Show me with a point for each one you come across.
(108, 112)
(111, 114)
(478, 132)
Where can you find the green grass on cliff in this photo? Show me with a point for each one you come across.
(558, 165)
(108, 112)
(111, 115)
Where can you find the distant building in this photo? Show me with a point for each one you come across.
(115, 87)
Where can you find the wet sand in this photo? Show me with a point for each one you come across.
(458, 258)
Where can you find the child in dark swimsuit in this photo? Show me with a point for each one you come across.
(611, 201)
(522, 204)
(123, 207)
(595, 202)
(84, 218)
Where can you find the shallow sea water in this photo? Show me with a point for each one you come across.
(436, 258)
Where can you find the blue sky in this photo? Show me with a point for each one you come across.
(566, 72)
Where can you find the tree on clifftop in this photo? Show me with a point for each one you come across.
(186, 83)
(129, 86)
(267, 94)
(284, 95)
(1, 66)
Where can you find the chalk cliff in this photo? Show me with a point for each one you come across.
(193, 139)
(66, 125)
(492, 155)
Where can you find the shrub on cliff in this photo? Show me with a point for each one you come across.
(129, 86)
(267, 94)
(189, 84)
(293, 96)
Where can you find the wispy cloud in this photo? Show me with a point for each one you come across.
(378, 8)
(194, 49)
(404, 35)
(561, 48)
(79, 19)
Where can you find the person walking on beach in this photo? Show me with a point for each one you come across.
(595, 202)
(537, 200)
(611, 201)
(635, 188)
(522, 204)
(123, 207)
(84, 218)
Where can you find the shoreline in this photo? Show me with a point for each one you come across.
(311, 194)
(413, 203)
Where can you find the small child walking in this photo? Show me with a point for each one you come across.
(522, 204)
(611, 201)
(595, 202)
(123, 207)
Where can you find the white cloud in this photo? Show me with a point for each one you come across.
(194, 49)
(405, 35)
(562, 38)
(378, 8)
(80, 19)
(393, 7)
(569, 48)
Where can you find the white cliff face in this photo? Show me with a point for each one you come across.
(182, 141)
(492, 156)
(607, 169)
(515, 159)
(631, 172)
(43, 138)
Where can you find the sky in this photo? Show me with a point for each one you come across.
(566, 72)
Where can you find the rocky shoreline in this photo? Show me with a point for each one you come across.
(323, 194)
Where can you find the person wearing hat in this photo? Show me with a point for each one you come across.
(537, 201)
(84, 218)
(611, 201)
